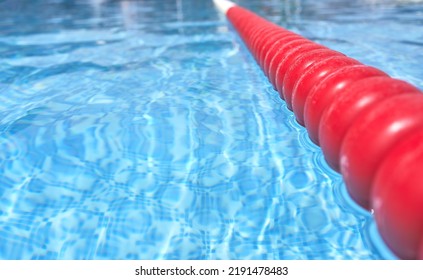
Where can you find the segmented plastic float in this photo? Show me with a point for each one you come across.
(369, 125)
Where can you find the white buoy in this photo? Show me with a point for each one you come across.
(224, 5)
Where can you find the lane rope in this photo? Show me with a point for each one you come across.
(368, 124)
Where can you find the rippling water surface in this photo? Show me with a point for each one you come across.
(144, 130)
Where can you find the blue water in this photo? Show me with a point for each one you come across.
(145, 130)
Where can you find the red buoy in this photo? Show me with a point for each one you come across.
(368, 124)
(397, 196)
(313, 76)
(289, 42)
(272, 49)
(372, 135)
(324, 92)
(299, 67)
(281, 66)
(354, 100)
(420, 257)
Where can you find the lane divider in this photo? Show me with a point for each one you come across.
(369, 125)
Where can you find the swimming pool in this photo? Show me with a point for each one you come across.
(145, 130)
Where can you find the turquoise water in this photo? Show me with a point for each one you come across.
(145, 130)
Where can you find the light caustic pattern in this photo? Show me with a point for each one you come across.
(368, 125)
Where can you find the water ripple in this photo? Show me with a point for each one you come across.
(147, 131)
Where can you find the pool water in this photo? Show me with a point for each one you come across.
(145, 130)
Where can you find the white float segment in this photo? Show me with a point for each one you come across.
(224, 5)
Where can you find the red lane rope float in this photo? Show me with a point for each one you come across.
(369, 125)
